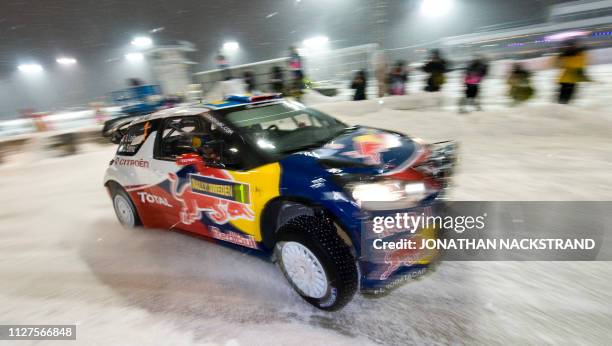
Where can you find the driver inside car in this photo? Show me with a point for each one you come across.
(198, 143)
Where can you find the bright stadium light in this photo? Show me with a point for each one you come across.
(30, 68)
(142, 42)
(436, 8)
(134, 57)
(66, 61)
(566, 35)
(231, 46)
(316, 42)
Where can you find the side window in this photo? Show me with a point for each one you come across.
(174, 141)
(229, 149)
(133, 139)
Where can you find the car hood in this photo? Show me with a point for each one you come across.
(365, 150)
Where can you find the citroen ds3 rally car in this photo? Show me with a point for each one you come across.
(271, 175)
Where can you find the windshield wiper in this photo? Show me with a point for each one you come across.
(312, 145)
(345, 131)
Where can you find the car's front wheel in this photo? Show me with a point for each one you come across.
(317, 263)
(124, 208)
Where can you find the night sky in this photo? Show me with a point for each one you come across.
(96, 28)
(98, 32)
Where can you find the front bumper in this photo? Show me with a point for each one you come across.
(383, 269)
(394, 256)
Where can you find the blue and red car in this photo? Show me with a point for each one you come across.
(270, 175)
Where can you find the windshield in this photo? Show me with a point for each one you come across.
(285, 128)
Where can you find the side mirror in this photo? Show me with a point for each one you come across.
(116, 138)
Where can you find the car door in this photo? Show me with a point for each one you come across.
(217, 196)
(132, 167)
(172, 141)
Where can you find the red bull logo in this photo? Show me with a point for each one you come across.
(215, 194)
(371, 146)
(232, 237)
(402, 257)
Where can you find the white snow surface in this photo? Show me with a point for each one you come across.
(66, 260)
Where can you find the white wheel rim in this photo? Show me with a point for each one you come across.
(304, 270)
(123, 209)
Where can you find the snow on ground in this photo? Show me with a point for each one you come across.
(534, 152)
(65, 259)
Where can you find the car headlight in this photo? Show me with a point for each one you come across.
(387, 194)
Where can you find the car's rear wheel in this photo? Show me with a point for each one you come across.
(317, 262)
(124, 208)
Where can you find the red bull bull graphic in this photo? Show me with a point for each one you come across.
(220, 199)
(370, 147)
(404, 256)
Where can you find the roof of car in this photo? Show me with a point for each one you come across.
(184, 110)
(241, 100)
(200, 108)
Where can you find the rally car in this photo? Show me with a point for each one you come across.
(270, 175)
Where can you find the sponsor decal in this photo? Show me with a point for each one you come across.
(146, 197)
(218, 123)
(233, 237)
(369, 147)
(221, 199)
(132, 162)
(402, 257)
(221, 188)
(189, 159)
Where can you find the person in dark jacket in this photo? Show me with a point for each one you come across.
(277, 81)
(476, 70)
(436, 67)
(359, 84)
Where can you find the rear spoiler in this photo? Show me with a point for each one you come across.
(114, 129)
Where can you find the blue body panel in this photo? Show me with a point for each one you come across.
(304, 178)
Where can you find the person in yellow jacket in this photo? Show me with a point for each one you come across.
(572, 61)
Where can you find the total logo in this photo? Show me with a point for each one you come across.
(146, 197)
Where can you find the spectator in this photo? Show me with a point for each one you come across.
(249, 80)
(359, 84)
(295, 60)
(297, 74)
(572, 61)
(397, 79)
(477, 69)
(436, 68)
(297, 84)
(221, 62)
(277, 81)
(381, 72)
(519, 82)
